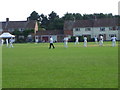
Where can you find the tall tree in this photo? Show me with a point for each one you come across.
(77, 16)
(58, 24)
(68, 16)
(34, 16)
(54, 21)
(53, 16)
(44, 21)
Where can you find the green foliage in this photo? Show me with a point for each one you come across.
(17, 32)
(68, 16)
(27, 32)
(54, 22)
(44, 21)
(24, 33)
(77, 16)
(34, 16)
(73, 39)
(53, 16)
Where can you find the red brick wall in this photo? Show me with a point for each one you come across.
(68, 32)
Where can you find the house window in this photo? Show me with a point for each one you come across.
(87, 29)
(21, 29)
(77, 29)
(11, 30)
(110, 28)
(110, 35)
(118, 28)
(102, 28)
(114, 28)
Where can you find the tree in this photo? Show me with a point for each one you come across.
(54, 22)
(58, 24)
(34, 16)
(53, 16)
(72, 16)
(44, 21)
(77, 16)
(68, 16)
(26, 32)
(110, 15)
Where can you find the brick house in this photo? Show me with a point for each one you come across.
(10, 26)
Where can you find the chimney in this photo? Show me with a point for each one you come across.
(7, 19)
(28, 19)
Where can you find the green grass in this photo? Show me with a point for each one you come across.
(36, 66)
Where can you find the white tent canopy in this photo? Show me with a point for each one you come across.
(6, 35)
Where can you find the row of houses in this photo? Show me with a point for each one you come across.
(11, 26)
(106, 27)
(91, 28)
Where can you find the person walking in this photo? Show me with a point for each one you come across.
(76, 40)
(113, 39)
(96, 40)
(101, 41)
(51, 43)
(85, 41)
(11, 42)
(65, 42)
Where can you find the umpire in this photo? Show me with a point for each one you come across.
(51, 43)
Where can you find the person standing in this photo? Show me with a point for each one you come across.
(113, 41)
(101, 41)
(2, 42)
(7, 42)
(85, 41)
(11, 42)
(51, 43)
(65, 42)
(76, 40)
(36, 40)
(96, 40)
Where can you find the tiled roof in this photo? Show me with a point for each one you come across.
(19, 24)
(16, 24)
(30, 24)
(3, 25)
(83, 23)
(106, 22)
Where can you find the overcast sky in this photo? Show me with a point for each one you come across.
(21, 9)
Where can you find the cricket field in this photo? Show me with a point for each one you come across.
(33, 65)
